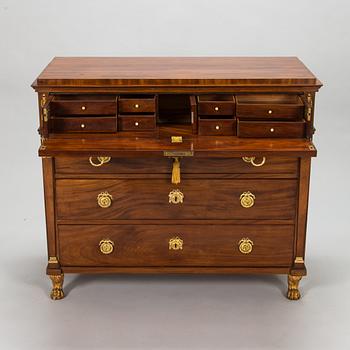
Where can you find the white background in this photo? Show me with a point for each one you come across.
(162, 312)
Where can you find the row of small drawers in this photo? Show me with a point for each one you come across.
(286, 107)
(175, 245)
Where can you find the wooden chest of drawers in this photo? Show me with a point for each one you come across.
(176, 165)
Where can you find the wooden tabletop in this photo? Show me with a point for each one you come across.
(174, 71)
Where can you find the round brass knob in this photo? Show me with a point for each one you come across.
(272, 129)
(104, 200)
(106, 246)
(136, 105)
(82, 126)
(245, 245)
(83, 108)
(216, 109)
(247, 199)
(217, 127)
(269, 111)
(136, 123)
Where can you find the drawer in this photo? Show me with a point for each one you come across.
(198, 245)
(269, 107)
(154, 199)
(137, 105)
(216, 104)
(163, 165)
(83, 107)
(136, 122)
(82, 124)
(213, 127)
(271, 129)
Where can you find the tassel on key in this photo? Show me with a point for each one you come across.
(175, 177)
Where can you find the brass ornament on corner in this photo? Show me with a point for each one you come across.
(247, 199)
(176, 243)
(176, 197)
(251, 160)
(102, 160)
(308, 107)
(53, 260)
(106, 246)
(104, 200)
(245, 245)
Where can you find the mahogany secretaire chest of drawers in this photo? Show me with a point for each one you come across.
(176, 165)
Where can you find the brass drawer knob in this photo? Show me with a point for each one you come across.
(269, 111)
(102, 160)
(176, 197)
(136, 123)
(251, 160)
(216, 109)
(137, 105)
(175, 243)
(217, 127)
(245, 245)
(247, 199)
(83, 108)
(106, 246)
(82, 126)
(104, 200)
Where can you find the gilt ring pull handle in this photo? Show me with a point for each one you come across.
(251, 160)
(106, 246)
(245, 245)
(247, 199)
(102, 160)
(104, 200)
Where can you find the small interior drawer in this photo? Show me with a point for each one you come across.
(83, 124)
(136, 122)
(271, 129)
(216, 104)
(83, 107)
(269, 106)
(213, 127)
(137, 104)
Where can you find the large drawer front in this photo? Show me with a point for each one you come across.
(163, 165)
(149, 199)
(148, 245)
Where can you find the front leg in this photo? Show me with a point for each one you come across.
(57, 284)
(293, 284)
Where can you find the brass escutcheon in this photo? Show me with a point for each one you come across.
(175, 243)
(176, 197)
(106, 246)
(245, 245)
(247, 199)
(104, 200)
(102, 160)
(251, 160)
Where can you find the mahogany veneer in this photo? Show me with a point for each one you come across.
(176, 165)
